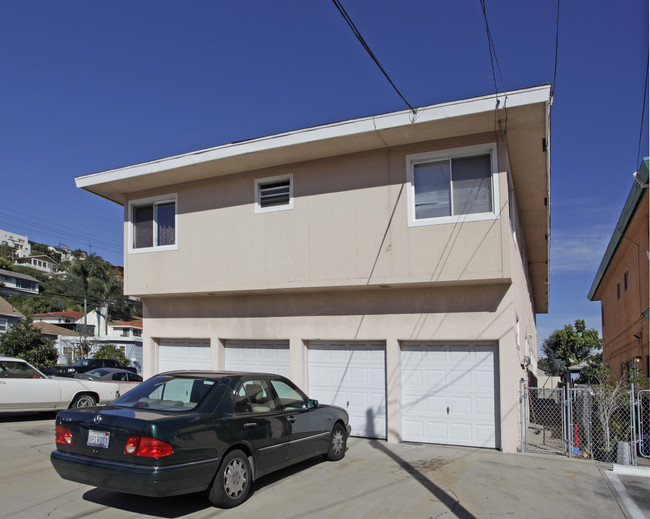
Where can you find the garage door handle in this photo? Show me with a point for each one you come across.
(250, 424)
(447, 410)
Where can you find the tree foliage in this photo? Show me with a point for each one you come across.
(110, 351)
(570, 345)
(27, 342)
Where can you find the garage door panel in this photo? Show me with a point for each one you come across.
(258, 356)
(459, 355)
(351, 375)
(484, 381)
(456, 384)
(183, 354)
(359, 376)
(459, 380)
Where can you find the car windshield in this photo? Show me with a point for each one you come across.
(82, 362)
(172, 393)
(96, 372)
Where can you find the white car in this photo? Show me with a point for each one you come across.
(25, 388)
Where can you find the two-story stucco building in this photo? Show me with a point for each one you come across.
(392, 264)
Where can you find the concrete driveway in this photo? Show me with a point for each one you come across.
(374, 480)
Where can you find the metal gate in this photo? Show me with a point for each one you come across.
(544, 426)
(574, 422)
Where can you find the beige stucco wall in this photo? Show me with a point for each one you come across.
(318, 272)
(348, 227)
(481, 313)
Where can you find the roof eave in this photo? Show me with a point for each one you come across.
(637, 192)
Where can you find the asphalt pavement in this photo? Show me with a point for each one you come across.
(374, 480)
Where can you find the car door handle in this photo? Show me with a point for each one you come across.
(250, 424)
(291, 419)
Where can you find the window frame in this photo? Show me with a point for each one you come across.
(259, 182)
(153, 201)
(450, 154)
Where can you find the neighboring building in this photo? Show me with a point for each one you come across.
(66, 341)
(126, 335)
(15, 283)
(42, 263)
(392, 264)
(62, 319)
(19, 243)
(8, 316)
(621, 285)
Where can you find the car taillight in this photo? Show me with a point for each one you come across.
(63, 435)
(147, 447)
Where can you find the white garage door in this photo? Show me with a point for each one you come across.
(259, 356)
(352, 376)
(449, 395)
(175, 354)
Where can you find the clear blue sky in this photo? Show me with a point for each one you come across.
(91, 86)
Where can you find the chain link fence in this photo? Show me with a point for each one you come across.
(609, 424)
(643, 408)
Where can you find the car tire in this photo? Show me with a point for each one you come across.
(338, 443)
(83, 401)
(232, 484)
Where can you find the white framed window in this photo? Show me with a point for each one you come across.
(274, 193)
(453, 185)
(152, 224)
(3, 325)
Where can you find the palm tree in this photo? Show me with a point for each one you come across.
(84, 269)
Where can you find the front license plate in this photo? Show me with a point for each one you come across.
(98, 439)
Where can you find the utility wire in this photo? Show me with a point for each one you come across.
(493, 51)
(557, 40)
(645, 93)
(499, 125)
(356, 32)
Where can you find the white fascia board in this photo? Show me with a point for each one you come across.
(372, 124)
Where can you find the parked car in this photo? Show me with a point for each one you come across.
(186, 431)
(84, 365)
(116, 374)
(25, 388)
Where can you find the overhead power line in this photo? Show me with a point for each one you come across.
(557, 42)
(499, 124)
(356, 32)
(493, 51)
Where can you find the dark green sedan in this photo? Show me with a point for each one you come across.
(187, 431)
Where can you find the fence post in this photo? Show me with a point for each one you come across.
(566, 420)
(522, 403)
(633, 459)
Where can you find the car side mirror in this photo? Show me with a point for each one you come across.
(312, 404)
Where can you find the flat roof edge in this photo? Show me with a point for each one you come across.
(627, 213)
(370, 124)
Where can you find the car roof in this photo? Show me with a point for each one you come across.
(113, 370)
(2, 357)
(217, 374)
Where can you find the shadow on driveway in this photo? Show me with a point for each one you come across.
(449, 501)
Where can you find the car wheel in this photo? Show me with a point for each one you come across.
(83, 401)
(338, 441)
(233, 481)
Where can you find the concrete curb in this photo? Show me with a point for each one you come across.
(628, 470)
